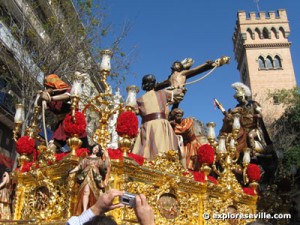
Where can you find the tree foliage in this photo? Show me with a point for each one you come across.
(63, 40)
(287, 128)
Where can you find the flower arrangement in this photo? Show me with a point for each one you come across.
(27, 166)
(118, 154)
(253, 172)
(249, 191)
(213, 180)
(25, 145)
(199, 176)
(127, 124)
(139, 159)
(82, 152)
(71, 128)
(206, 154)
(60, 156)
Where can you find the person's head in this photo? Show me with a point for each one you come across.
(102, 220)
(240, 98)
(96, 149)
(177, 66)
(148, 82)
(177, 114)
(54, 82)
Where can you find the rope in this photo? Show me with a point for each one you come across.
(201, 78)
(44, 122)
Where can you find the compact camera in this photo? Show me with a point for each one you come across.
(128, 199)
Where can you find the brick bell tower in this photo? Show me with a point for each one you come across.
(262, 52)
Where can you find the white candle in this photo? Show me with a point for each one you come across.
(76, 88)
(105, 62)
(222, 145)
(20, 114)
(211, 134)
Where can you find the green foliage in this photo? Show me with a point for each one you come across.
(287, 128)
(291, 157)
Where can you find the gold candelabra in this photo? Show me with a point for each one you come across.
(226, 157)
(33, 129)
(103, 105)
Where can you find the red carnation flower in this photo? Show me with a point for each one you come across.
(118, 154)
(206, 154)
(139, 159)
(213, 180)
(115, 153)
(71, 128)
(249, 191)
(25, 145)
(60, 156)
(26, 167)
(127, 124)
(253, 172)
(82, 152)
(199, 176)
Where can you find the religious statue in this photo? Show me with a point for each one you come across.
(117, 99)
(57, 97)
(185, 128)
(91, 176)
(156, 134)
(5, 192)
(253, 133)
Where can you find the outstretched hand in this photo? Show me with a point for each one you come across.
(105, 202)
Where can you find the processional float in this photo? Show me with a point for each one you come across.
(46, 194)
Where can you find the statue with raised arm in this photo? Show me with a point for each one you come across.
(253, 133)
(181, 71)
(57, 97)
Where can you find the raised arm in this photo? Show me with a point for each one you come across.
(198, 69)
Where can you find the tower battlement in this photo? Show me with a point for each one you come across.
(262, 17)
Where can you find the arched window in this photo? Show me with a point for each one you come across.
(277, 62)
(261, 62)
(269, 62)
(274, 32)
(250, 33)
(265, 33)
(282, 32)
(257, 31)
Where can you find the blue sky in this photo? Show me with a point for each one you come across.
(164, 31)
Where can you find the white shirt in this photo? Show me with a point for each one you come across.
(83, 218)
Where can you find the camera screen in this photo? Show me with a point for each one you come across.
(125, 200)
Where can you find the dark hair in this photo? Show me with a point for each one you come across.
(173, 66)
(101, 220)
(100, 153)
(148, 82)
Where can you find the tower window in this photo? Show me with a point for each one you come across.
(257, 31)
(275, 33)
(276, 100)
(265, 33)
(261, 63)
(277, 62)
(269, 63)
